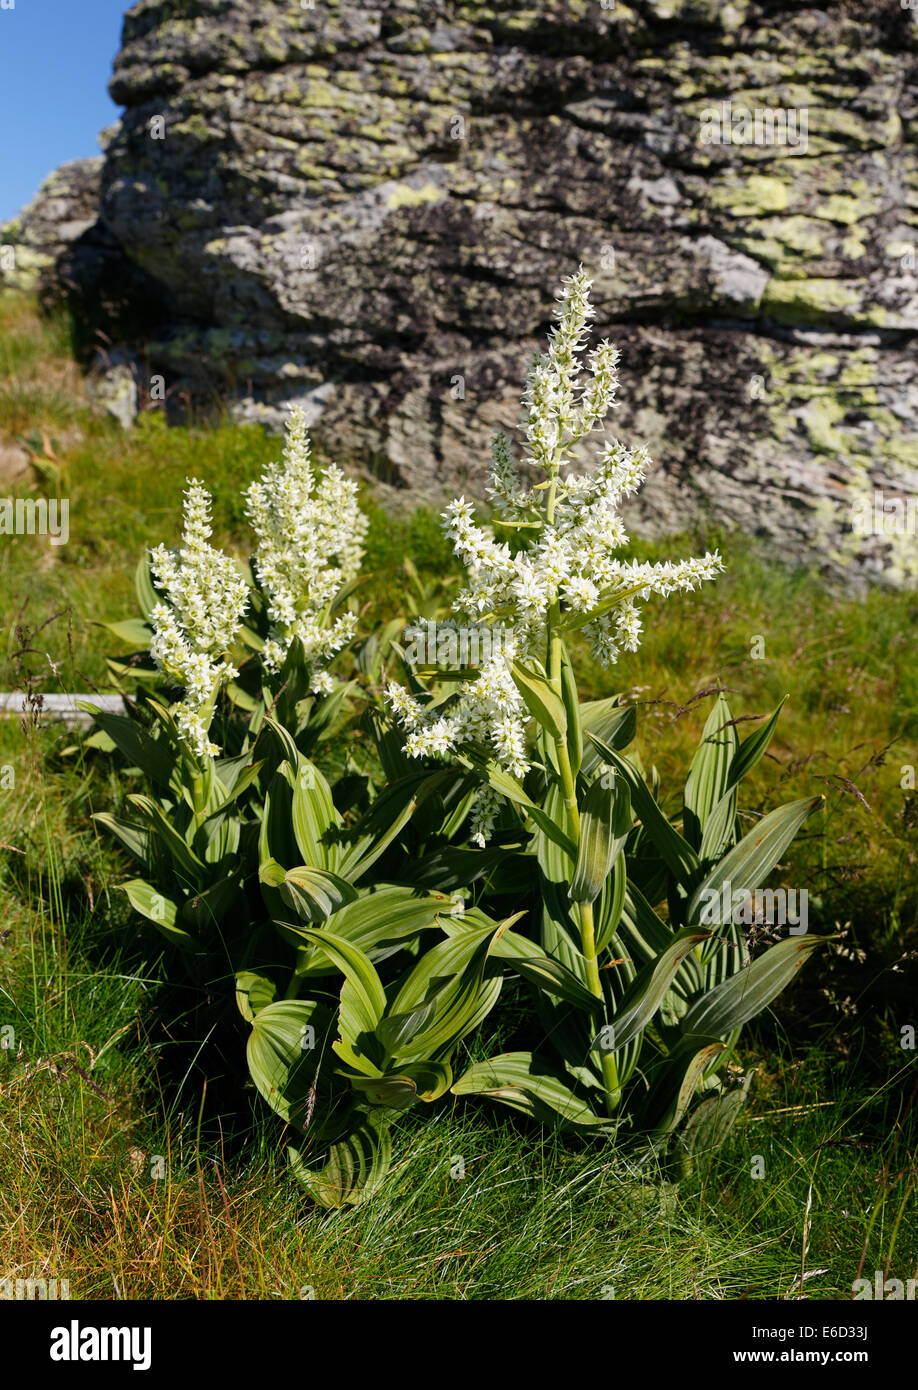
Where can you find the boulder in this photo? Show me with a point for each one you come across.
(367, 209)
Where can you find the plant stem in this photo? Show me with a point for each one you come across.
(569, 787)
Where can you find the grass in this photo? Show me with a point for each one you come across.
(98, 1082)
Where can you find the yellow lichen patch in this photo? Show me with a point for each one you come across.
(756, 196)
(848, 211)
(404, 196)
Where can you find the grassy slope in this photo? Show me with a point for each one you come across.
(89, 1097)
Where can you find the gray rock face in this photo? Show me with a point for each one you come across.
(368, 208)
(66, 206)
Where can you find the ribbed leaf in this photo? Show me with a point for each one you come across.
(378, 916)
(677, 853)
(512, 1079)
(151, 755)
(540, 698)
(314, 818)
(132, 634)
(159, 910)
(674, 1083)
(747, 993)
(615, 724)
(180, 851)
(281, 1064)
(708, 778)
(605, 822)
(754, 747)
(513, 790)
(147, 596)
(571, 698)
(135, 838)
(748, 864)
(363, 999)
(254, 992)
(611, 904)
(646, 994)
(355, 1167)
(314, 894)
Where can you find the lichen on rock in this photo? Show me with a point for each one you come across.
(366, 208)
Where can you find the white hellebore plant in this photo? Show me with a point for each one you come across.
(195, 629)
(310, 534)
(562, 574)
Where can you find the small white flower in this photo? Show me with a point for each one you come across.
(206, 596)
(569, 563)
(310, 534)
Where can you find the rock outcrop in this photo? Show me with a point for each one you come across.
(64, 208)
(367, 208)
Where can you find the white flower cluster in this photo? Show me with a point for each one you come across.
(310, 534)
(192, 632)
(569, 565)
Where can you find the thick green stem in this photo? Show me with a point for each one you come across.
(569, 787)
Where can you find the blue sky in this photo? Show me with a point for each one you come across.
(55, 63)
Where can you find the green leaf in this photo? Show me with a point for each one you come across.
(747, 993)
(245, 780)
(133, 634)
(363, 999)
(181, 852)
(675, 851)
(135, 838)
(645, 995)
(540, 698)
(748, 864)
(614, 723)
(283, 1052)
(753, 748)
(426, 1081)
(643, 933)
(513, 790)
(674, 1082)
(512, 1079)
(355, 1169)
(605, 823)
(611, 904)
(571, 698)
(397, 1031)
(360, 856)
(377, 917)
(254, 992)
(556, 861)
(315, 818)
(147, 595)
(451, 975)
(709, 774)
(315, 894)
(711, 1121)
(149, 754)
(159, 910)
